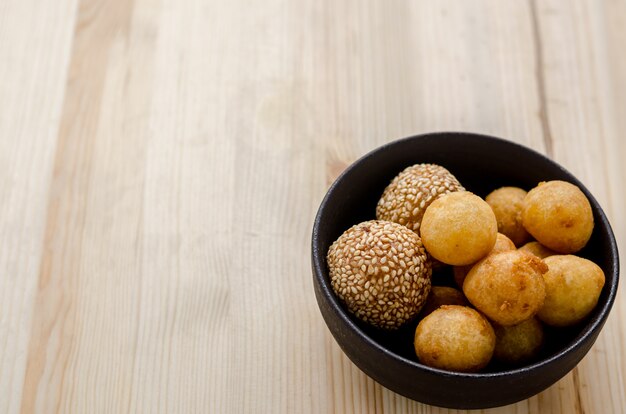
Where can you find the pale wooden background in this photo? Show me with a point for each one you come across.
(161, 162)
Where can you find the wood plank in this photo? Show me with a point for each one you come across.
(615, 26)
(185, 348)
(579, 89)
(35, 42)
(76, 359)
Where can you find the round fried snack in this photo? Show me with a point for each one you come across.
(459, 228)
(379, 269)
(558, 215)
(573, 287)
(503, 244)
(442, 295)
(506, 203)
(519, 343)
(507, 287)
(538, 249)
(455, 338)
(406, 198)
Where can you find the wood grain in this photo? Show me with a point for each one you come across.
(161, 163)
(35, 42)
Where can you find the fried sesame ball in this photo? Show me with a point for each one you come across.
(455, 338)
(406, 198)
(519, 343)
(573, 287)
(506, 203)
(558, 215)
(503, 244)
(507, 287)
(538, 249)
(442, 295)
(379, 269)
(459, 228)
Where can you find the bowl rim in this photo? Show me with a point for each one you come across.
(333, 300)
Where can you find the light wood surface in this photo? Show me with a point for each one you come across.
(161, 162)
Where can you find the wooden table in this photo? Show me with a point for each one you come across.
(161, 162)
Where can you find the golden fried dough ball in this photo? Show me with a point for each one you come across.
(538, 249)
(503, 244)
(442, 295)
(507, 287)
(506, 203)
(406, 198)
(455, 338)
(519, 343)
(459, 228)
(573, 286)
(558, 215)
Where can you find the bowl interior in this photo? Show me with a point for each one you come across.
(482, 164)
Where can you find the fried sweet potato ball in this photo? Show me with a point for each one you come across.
(442, 295)
(519, 343)
(459, 228)
(503, 244)
(538, 249)
(573, 287)
(455, 338)
(507, 287)
(558, 215)
(506, 203)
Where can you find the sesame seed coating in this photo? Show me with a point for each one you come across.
(380, 270)
(406, 198)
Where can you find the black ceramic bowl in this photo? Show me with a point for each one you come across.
(482, 164)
